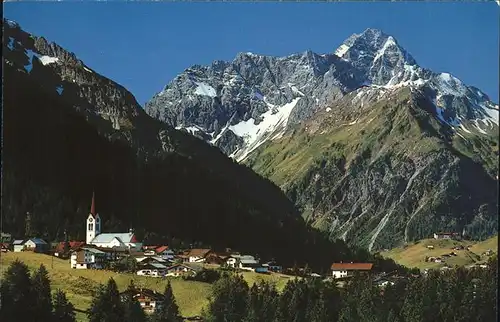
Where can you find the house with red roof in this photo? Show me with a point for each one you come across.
(73, 245)
(165, 252)
(340, 270)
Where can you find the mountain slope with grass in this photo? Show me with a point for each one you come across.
(468, 252)
(371, 146)
(384, 170)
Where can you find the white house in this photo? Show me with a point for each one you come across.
(246, 262)
(195, 255)
(18, 245)
(180, 270)
(37, 245)
(86, 258)
(152, 269)
(150, 259)
(340, 270)
(107, 240)
(446, 236)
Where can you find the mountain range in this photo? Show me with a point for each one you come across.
(362, 144)
(372, 147)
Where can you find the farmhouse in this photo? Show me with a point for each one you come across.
(4, 247)
(36, 245)
(195, 255)
(87, 258)
(216, 258)
(340, 270)
(18, 245)
(151, 259)
(152, 269)
(446, 236)
(107, 240)
(273, 267)
(182, 270)
(149, 300)
(245, 262)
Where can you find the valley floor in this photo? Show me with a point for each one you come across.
(191, 296)
(414, 255)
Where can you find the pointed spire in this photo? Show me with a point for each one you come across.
(92, 207)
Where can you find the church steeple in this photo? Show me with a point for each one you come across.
(92, 206)
(93, 223)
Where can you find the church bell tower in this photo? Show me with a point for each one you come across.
(93, 225)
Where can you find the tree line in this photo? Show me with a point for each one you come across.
(456, 295)
(27, 297)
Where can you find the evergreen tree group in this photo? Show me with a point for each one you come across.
(25, 297)
(108, 306)
(457, 294)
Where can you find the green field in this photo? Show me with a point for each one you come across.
(191, 296)
(413, 255)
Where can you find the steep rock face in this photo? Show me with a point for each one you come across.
(69, 131)
(239, 105)
(385, 170)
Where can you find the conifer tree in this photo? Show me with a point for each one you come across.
(169, 311)
(106, 305)
(228, 301)
(262, 302)
(16, 294)
(66, 244)
(326, 308)
(133, 310)
(63, 309)
(43, 299)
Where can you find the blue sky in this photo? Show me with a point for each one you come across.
(144, 45)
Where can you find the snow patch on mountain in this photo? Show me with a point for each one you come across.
(463, 128)
(342, 50)
(490, 112)
(450, 85)
(86, 69)
(388, 43)
(478, 127)
(11, 23)
(217, 138)
(295, 89)
(275, 119)
(45, 60)
(204, 89)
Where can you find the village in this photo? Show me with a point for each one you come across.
(123, 252)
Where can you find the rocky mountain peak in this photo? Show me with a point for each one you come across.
(377, 55)
(241, 104)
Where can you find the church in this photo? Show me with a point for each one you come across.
(120, 241)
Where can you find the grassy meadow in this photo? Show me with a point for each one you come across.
(191, 296)
(413, 255)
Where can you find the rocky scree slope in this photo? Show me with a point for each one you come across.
(239, 105)
(69, 131)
